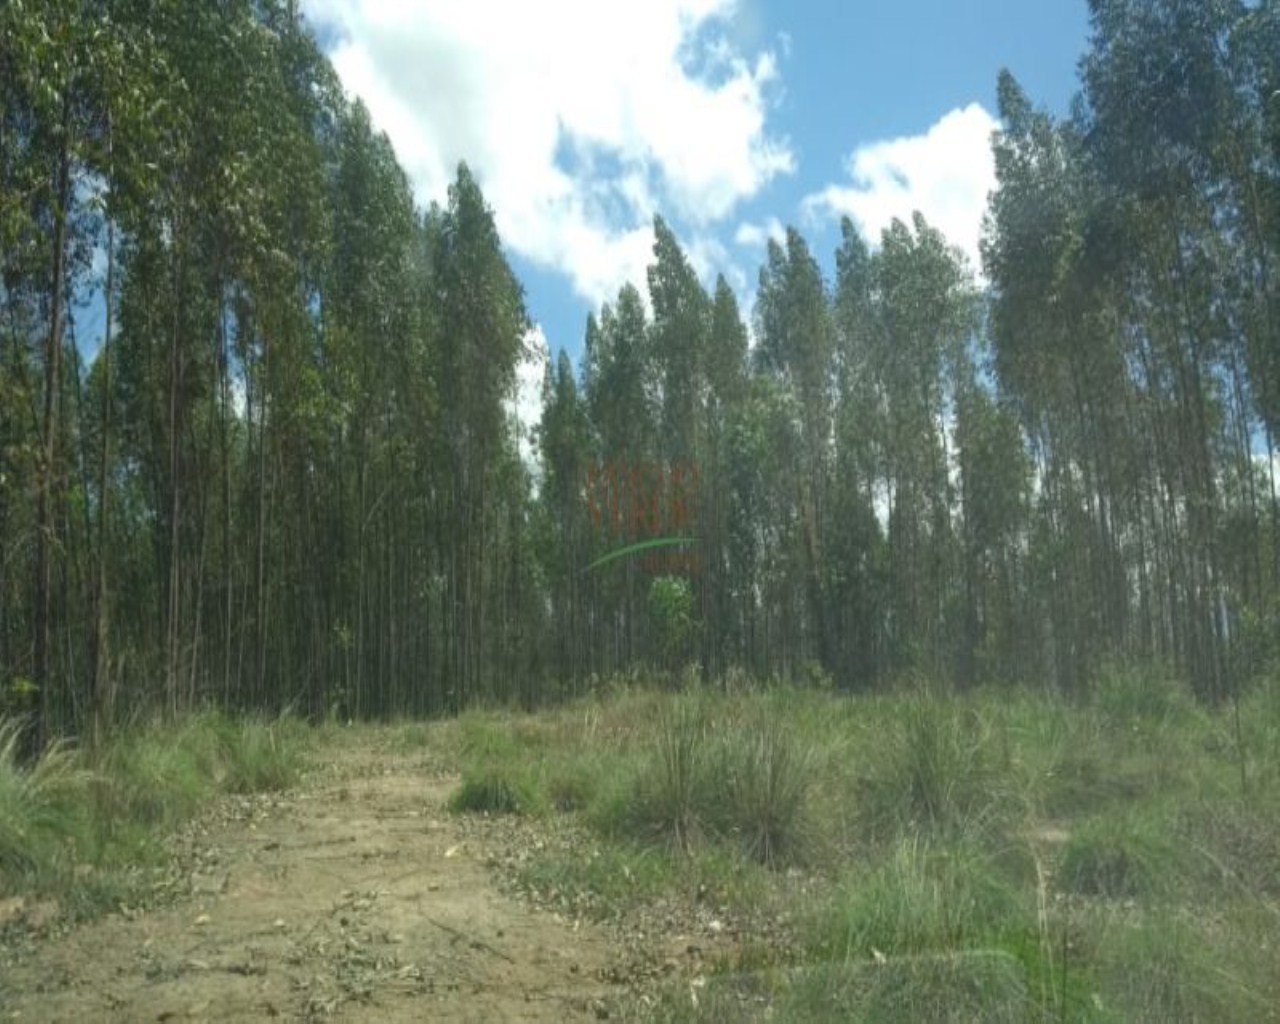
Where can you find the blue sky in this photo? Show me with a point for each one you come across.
(731, 118)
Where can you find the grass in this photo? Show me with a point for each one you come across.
(940, 767)
(1121, 857)
(925, 897)
(77, 825)
(912, 855)
(496, 789)
(993, 856)
(713, 772)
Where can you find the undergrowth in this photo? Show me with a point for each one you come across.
(999, 855)
(76, 824)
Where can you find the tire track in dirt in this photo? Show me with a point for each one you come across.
(355, 898)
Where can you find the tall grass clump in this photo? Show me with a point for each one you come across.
(671, 798)
(1143, 694)
(155, 776)
(73, 818)
(1160, 968)
(941, 766)
(496, 788)
(768, 771)
(715, 771)
(923, 898)
(978, 985)
(262, 755)
(42, 812)
(1120, 857)
(1260, 724)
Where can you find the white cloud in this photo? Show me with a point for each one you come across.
(578, 117)
(754, 236)
(526, 404)
(946, 174)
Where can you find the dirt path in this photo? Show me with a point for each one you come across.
(355, 898)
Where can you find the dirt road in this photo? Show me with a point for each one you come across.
(355, 898)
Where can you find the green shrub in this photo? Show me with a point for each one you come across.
(602, 883)
(573, 784)
(484, 740)
(414, 736)
(1236, 848)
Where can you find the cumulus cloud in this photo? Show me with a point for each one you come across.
(946, 174)
(754, 236)
(580, 118)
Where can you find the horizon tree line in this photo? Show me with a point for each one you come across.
(291, 476)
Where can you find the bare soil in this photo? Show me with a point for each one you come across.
(356, 897)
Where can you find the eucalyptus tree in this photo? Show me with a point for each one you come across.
(1173, 127)
(858, 549)
(482, 324)
(926, 308)
(624, 404)
(564, 449)
(797, 340)
(727, 598)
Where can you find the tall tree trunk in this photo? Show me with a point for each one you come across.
(173, 619)
(49, 432)
(228, 590)
(102, 696)
(260, 657)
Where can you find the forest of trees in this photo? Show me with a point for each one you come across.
(290, 476)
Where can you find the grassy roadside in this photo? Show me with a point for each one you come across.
(76, 827)
(993, 856)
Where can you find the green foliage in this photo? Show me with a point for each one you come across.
(306, 385)
(985, 985)
(993, 856)
(156, 776)
(482, 738)
(605, 882)
(671, 612)
(262, 756)
(414, 736)
(574, 783)
(979, 985)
